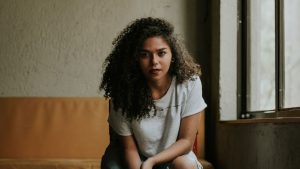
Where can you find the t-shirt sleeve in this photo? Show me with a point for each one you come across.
(194, 102)
(118, 122)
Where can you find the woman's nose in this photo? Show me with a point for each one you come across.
(155, 60)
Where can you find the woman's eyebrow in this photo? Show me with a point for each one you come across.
(160, 49)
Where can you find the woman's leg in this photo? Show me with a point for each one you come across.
(188, 161)
(183, 162)
(112, 158)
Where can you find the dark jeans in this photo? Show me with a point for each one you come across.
(113, 158)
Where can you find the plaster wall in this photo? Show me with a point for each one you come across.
(56, 48)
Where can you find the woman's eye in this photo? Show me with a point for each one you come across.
(161, 53)
(143, 54)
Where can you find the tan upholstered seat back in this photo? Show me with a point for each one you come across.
(59, 128)
(53, 127)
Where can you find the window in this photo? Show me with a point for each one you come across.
(270, 57)
(291, 52)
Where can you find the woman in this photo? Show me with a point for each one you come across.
(156, 98)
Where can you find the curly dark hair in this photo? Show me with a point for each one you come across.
(123, 81)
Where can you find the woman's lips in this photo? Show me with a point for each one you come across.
(154, 71)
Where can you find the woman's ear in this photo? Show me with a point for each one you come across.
(172, 60)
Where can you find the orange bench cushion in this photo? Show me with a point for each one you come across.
(53, 127)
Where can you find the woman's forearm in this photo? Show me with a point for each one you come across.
(180, 147)
(132, 156)
(133, 159)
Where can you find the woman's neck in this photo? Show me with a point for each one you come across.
(160, 88)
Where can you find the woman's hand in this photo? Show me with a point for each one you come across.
(148, 164)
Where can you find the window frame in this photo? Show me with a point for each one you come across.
(242, 34)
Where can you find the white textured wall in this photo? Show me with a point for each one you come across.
(57, 47)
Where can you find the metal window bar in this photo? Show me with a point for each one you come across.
(279, 13)
(242, 58)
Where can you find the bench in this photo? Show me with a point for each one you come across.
(68, 133)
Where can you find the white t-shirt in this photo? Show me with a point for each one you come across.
(156, 133)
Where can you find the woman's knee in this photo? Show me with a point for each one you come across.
(112, 159)
(105, 164)
(183, 162)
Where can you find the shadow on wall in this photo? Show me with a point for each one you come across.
(198, 40)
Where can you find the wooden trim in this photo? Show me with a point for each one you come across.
(264, 120)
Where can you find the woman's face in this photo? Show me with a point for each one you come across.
(155, 59)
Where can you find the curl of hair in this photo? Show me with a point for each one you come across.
(123, 81)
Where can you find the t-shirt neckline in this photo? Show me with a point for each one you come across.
(164, 97)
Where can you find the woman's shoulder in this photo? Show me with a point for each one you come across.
(190, 82)
(188, 86)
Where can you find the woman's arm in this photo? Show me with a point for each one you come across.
(132, 156)
(184, 144)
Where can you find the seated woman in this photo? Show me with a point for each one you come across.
(156, 98)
